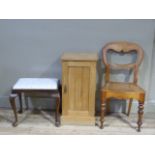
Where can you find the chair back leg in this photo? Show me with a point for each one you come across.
(129, 107)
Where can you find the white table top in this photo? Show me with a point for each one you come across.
(36, 84)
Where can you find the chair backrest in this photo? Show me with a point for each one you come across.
(123, 47)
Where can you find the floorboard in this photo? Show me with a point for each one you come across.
(39, 122)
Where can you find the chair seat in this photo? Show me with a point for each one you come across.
(122, 90)
(122, 87)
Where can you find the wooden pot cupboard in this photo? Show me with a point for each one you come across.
(78, 88)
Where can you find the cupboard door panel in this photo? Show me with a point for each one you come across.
(78, 84)
(85, 88)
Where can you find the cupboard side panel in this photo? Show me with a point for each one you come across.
(92, 92)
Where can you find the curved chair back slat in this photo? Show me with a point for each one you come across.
(124, 48)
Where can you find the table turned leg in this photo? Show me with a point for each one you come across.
(13, 105)
(20, 103)
(26, 102)
(140, 115)
(103, 109)
(57, 114)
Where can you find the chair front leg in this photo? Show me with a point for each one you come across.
(103, 109)
(13, 105)
(140, 115)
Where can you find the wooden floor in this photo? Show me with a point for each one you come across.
(42, 122)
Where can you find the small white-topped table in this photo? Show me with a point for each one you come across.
(35, 87)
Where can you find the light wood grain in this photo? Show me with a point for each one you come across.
(79, 79)
(79, 56)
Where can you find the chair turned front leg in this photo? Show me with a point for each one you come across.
(57, 114)
(140, 115)
(13, 105)
(103, 108)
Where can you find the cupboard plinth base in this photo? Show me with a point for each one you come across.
(78, 120)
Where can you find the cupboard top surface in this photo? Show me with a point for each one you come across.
(79, 57)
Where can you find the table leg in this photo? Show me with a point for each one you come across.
(13, 105)
(60, 92)
(26, 102)
(57, 114)
(20, 103)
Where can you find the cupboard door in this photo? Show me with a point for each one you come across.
(78, 88)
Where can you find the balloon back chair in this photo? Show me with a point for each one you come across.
(122, 90)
